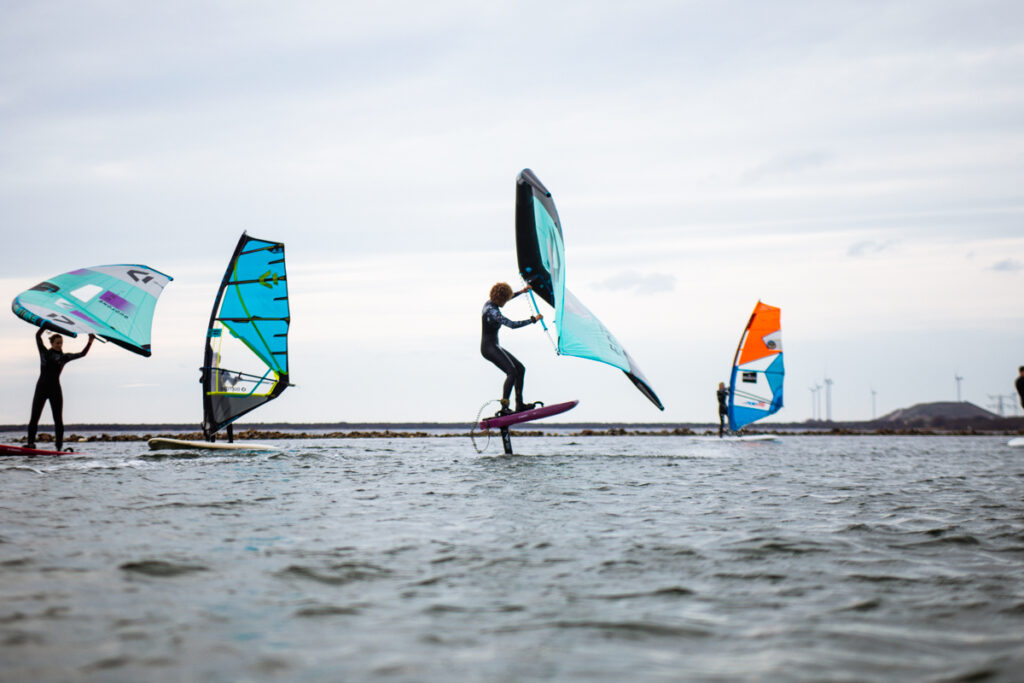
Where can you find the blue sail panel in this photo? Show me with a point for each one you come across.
(114, 302)
(255, 302)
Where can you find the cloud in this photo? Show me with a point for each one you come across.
(868, 248)
(650, 283)
(1007, 266)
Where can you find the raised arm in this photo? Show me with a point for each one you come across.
(75, 356)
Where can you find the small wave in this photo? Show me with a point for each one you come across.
(161, 568)
(622, 628)
(671, 591)
(208, 504)
(862, 606)
(329, 610)
(106, 664)
(336, 574)
(957, 540)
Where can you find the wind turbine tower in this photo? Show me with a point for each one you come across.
(873, 394)
(828, 399)
(958, 379)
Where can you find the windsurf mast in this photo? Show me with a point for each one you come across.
(541, 254)
(245, 357)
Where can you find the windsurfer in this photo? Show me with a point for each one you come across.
(51, 362)
(1020, 384)
(515, 371)
(723, 408)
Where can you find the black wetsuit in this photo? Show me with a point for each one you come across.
(1020, 389)
(723, 410)
(51, 362)
(515, 371)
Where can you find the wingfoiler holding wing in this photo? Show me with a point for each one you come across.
(755, 388)
(114, 302)
(245, 359)
(541, 254)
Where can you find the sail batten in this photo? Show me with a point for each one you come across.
(755, 385)
(246, 354)
(541, 254)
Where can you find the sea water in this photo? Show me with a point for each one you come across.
(585, 558)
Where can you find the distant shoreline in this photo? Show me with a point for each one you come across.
(349, 430)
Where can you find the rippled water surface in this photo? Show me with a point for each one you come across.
(589, 558)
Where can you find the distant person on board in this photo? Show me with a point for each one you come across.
(1020, 384)
(51, 362)
(492, 319)
(723, 408)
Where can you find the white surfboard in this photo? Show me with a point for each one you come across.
(161, 444)
(1016, 443)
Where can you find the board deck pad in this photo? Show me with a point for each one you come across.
(161, 444)
(8, 449)
(527, 415)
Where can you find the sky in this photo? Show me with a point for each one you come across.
(858, 164)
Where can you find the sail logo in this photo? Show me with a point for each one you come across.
(118, 304)
(60, 319)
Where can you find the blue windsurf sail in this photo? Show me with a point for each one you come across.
(245, 359)
(541, 253)
(115, 302)
(755, 388)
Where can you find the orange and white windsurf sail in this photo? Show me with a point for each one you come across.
(755, 389)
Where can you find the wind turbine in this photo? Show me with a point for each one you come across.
(828, 398)
(958, 379)
(873, 394)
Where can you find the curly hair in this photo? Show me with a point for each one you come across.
(501, 293)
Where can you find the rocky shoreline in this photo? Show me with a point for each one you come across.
(265, 435)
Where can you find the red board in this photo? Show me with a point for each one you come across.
(6, 449)
(527, 415)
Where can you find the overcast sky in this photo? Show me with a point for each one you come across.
(858, 164)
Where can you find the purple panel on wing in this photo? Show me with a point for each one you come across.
(80, 271)
(117, 302)
(84, 317)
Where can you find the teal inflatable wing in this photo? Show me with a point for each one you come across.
(541, 255)
(115, 302)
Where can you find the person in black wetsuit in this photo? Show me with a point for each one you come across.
(492, 320)
(1020, 384)
(51, 362)
(723, 408)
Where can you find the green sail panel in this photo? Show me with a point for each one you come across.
(114, 302)
(246, 353)
(541, 253)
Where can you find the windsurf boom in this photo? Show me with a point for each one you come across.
(115, 302)
(755, 388)
(541, 254)
(245, 359)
